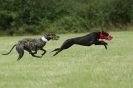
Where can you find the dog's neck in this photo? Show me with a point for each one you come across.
(44, 39)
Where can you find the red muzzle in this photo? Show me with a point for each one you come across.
(109, 37)
(102, 36)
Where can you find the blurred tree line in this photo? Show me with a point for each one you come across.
(39, 16)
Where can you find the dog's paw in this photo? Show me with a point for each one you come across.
(106, 44)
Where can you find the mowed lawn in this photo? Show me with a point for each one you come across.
(77, 67)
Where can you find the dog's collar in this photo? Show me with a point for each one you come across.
(44, 39)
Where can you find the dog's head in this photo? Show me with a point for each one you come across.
(105, 35)
(52, 36)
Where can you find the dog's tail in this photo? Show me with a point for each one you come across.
(10, 50)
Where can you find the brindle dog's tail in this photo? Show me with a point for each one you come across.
(10, 50)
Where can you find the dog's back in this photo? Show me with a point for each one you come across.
(85, 40)
(31, 44)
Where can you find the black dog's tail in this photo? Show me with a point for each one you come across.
(9, 51)
(57, 51)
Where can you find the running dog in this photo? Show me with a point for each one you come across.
(87, 40)
(33, 45)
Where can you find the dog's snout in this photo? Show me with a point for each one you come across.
(110, 37)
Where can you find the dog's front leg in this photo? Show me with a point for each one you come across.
(35, 52)
(102, 43)
(35, 55)
(44, 51)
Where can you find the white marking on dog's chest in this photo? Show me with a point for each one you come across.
(44, 39)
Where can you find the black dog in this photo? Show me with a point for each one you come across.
(33, 45)
(87, 40)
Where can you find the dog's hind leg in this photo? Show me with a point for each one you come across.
(57, 52)
(20, 51)
(67, 44)
(56, 49)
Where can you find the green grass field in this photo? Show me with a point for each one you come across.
(77, 67)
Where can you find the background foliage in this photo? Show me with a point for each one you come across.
(39, 16)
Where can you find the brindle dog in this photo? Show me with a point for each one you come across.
(33, 45)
